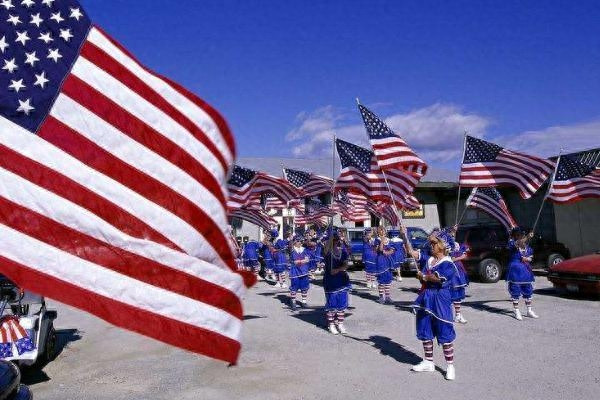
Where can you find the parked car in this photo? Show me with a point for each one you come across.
(417, 237)
(578, 275)
(488, 254)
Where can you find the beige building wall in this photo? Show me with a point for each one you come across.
(578, 226)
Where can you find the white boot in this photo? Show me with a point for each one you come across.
(333, 329)
(518, 314)
(460, 319)
(399, 278)
(531, 314)
(424, 366)
(450, 372)
(341, 328)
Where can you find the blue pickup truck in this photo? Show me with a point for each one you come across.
(417, 237)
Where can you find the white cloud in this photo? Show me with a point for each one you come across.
(434, 132)
(548, 142)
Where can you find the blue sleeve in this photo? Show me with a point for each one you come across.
(446, 270)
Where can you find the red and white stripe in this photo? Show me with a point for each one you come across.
(498, 210)
(527, 173)
(393, 153)
(261, 183)
(119, 198)
(373, 184)
(566, 191)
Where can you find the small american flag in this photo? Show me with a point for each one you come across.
(309, 184)
(391, 151)
(351, 206)
(385, 211)
(112, 183)
(316, 211)
(254, 216)
(361, 174)
(490, 201)
(245, 185)
(574, 181)
(486, 164)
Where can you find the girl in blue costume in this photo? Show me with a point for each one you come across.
(461, 280)
(267, 249)
(250, 256)
(520, 276)
(319, 257)
(399, 253)
(369, 257)
(311, 248)
(336, 283)
(281, 262)
(385, 261)
(299, 273)
(433, 306)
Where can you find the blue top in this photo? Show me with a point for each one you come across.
(298, 270)
(280, 257)
(266, 252)
(341, 280)
(399, 253)
(369, 253)
(435, 298)
(519, 270)
(251, 250)
(384, 262)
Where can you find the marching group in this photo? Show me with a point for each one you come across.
(440, 270)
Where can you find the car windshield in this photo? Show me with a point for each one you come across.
(355, 236)
(482, 235)
(417, 234)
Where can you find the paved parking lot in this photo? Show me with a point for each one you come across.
(291, 356)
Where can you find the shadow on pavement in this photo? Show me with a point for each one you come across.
(484, 306)
(564, 294)
(249, 317)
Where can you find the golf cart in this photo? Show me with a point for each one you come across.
(27, 335)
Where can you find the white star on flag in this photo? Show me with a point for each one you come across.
(76, 13)
(22, 37)
(13, 19)
(36, 20)
(27, 3)
(25, 107)
(3, 44)
(56, 16)
(54, 54)
(40, 80)
(10, 65)
(16, 85)
(66, 34)
(45, 37)
(31, 58)
(8, 4)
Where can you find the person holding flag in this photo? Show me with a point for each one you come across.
(336, 282)
(369, 258)
(385, 254)
(299, 273)
(520, 277)
(461, 280)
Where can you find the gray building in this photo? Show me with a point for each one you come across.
(577, 225)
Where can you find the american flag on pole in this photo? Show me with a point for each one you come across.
(351, 206)
(246, 184)
(360, 173)
(390, 150)
(315, 212)
(490, 201)
(112, 184)
(574, 181)
(310, 184)
(254, 216)
(486, 164)
(385, 211)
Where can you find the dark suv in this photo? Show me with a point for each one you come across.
(488, 255)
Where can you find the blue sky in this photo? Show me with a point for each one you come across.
(525, 74)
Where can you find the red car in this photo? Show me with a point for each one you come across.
(578, 275)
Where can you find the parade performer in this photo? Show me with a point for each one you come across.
(520, 276)
(267, 249)
(311, 250)
(385, 261)
(399, 254)
(369, 257)
(250, 257)
(336, 282)
(299, 273)
(433, 306)
(282, 265)
(461, 279)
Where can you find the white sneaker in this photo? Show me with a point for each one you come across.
(450, 372)
(398, 278)
(333, 329)
(342, 329)
(424, 366)
(531, 314)
(460, 319)
(518, 315)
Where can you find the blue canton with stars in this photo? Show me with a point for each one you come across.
(376, 128)
(490, 192)
(297, 178)
(355, 156)
(570, 169)
(477, 151)
(39, 42)
(241, 176)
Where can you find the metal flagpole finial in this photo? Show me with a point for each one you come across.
(357, 101)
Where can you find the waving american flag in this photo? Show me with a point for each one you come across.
(361, 174)
(112, 183)
(486, 164)
(246, 184)
(255, 216)
(310, 184)
(490, 201)
(574, 181)
(390, 150)
(351, 206)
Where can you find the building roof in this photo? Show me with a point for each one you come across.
(324, 167)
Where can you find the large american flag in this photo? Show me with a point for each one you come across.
(112, 183)
(490, 201)
(574, 181)
(486, 164)
(310, 184)
(360, 173)
(246, 184)
(391, 151)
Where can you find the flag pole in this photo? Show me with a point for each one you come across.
(398, 215)
(294, 213)
(459, 186)
(539, 213)
(332, 176)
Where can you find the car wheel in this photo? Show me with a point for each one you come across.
(554, 259)
(490, 270)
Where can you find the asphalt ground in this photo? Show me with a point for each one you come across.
(291, 355)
